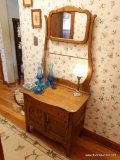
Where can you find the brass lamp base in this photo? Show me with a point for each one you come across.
(77, 93)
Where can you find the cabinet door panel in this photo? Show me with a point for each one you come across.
(56, 127)
(35, 117)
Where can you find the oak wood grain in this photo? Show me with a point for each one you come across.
(60, 97)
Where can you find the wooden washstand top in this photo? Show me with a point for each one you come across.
(60, 97)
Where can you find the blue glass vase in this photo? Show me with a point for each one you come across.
(39, 74)
(50, 77)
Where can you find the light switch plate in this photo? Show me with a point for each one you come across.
(35, 41)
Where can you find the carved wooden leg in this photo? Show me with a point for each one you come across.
(27, 128)
(68, 149)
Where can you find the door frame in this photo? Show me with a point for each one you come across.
(1, 68)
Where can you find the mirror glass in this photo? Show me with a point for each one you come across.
(65, 25)
(69, 24)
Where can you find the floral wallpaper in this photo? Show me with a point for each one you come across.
(103, 107)
(2, 51)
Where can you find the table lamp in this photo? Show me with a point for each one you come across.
(80, 70)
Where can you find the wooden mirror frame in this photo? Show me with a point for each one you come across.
(85, 85)
(70, 9)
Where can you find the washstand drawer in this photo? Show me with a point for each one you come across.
(58, 112)
(28, 99)
(53, 110)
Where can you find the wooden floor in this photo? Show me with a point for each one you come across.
(83, 148)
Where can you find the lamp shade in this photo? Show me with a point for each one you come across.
(80, 70)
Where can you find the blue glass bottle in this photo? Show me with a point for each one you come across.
(39, 73)
(50, 75)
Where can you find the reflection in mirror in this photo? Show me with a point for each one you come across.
(79, 30)
(65, 25)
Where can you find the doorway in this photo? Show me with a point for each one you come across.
(18, 48)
